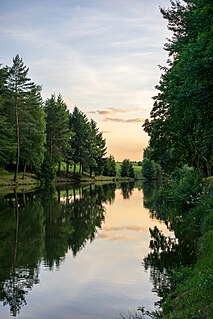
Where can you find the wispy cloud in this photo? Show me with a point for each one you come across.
(114, 110)
(119, 120)
(117, 237)
(118, 228)
(106, 132)
(94, 53)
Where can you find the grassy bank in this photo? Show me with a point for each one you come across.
(6, 179)
(192, 297)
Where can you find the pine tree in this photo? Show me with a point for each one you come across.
(79, 124)
(127, 169)
(32, 130)
(19, 86)
(57, 129)
(7, 142)
(97, 149)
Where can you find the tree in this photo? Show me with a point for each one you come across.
(81, 141)
(97, 149)
(32, 130)
(181, 127)
(109, 168)
(127, 169)
(19, 87)
(7, 142)
(57, 129)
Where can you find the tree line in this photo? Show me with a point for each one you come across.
(181, 121)
(37, 134)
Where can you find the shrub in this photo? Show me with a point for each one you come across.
(151, 170)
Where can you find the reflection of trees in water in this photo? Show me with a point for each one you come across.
(38, 227)
(21, 242)
(163, 257)
(168, 253)
(16, 287)
(126, 189)
(73, 223)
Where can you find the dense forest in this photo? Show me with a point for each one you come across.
(181, 121)
(181, 147)
(38, 135)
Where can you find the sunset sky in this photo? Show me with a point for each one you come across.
(101, 55)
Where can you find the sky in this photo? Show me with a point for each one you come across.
(101, 55)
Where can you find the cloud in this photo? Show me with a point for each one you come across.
(115, 110)
(117, 237)
(119, 120)
(132, 228)
(106, 132)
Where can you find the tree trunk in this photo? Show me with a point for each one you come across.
(24, 171)
(24, 197)
(67, 196)
(67, 170)
(59, 167)
(59, 195)
(207, 169)
(17, 140)
(74, 169)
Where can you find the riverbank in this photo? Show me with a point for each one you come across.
(192, 297)
(190, 212)
(30, 180)
(6, 179)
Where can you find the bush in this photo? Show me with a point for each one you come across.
(151, 170)
(186, 188)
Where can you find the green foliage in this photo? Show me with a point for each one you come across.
(57, 128)
(194, 291)
(47, 172)
(182, 268)
(186, 188)
(109, 168)
(88, 144)
(180, 127)
(32, 129)
(18, 87)
(97, 149)
(28, 128)
(151, 170)
(7, 142)
(127, 169)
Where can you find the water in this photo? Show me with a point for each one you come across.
(75, 253)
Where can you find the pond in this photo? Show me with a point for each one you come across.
(75, 252)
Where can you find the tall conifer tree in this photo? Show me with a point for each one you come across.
(19, 87)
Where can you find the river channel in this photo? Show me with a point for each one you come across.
(75, 252)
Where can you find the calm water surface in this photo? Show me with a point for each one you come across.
(75, 253)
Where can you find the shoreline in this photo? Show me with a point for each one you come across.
(30, 180)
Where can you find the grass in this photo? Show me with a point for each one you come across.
(86, 177)
(6, 179)
(193, 296)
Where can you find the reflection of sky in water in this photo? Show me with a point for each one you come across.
(106, 277)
